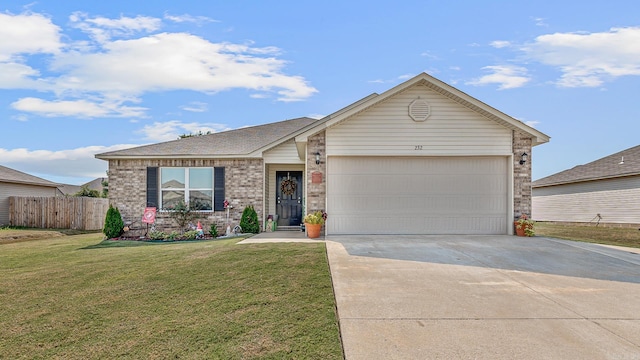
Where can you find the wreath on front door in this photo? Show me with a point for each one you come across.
(288, 187)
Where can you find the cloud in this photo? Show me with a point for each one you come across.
(20, 117)
(199, 20)
(60, 164)
(23, 35)
(79, 108)
(171, 130)
(498, 44)
(103, 29)
(177, 61)
(532, 123)
(126, 58)
(14, 75)
(429, 55)
(27, 34)
(507, 76)
(540, 21)
(589, 59)
(195, 106)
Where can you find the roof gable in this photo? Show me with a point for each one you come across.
(438, 86)
(623, 163)
(244, 142)
(18, 177)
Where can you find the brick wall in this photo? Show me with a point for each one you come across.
(316, 193)
(521, 175)
(243, 186)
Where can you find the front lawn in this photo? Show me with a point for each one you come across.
(200, 300)
(629, 237)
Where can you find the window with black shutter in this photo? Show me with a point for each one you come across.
(170, 185)
(218, 189)
(152, 187)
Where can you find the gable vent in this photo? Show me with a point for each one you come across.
(419, 110)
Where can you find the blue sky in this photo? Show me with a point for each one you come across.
(79, 78)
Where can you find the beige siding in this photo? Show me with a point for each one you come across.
(616, 200)
(388, 130)
(11, 189)
(409, 195)
(285, 153)
(271, 184)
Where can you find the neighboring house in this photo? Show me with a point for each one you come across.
(420, 158)
(96, 184)
(70, 190)
(16, 183)
(603, 191)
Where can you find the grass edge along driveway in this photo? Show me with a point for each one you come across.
(211, 299)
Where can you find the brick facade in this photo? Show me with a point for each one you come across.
(521, 175)
(316, 193)
(244, 184)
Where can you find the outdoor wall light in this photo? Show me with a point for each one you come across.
(523, 158)
(317, 158)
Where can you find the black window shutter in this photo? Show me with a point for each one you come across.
(218, 189)
(152, 187)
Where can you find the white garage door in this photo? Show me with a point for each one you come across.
(402, 195)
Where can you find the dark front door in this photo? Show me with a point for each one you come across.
(289, 197)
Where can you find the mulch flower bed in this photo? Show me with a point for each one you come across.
(142, 238)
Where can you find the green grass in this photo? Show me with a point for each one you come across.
(200, 300)
(629, 237)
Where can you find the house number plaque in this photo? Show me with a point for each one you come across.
(316, 177)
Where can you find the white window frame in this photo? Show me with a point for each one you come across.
(186, 188)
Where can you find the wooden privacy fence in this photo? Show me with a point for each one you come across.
(78, 213)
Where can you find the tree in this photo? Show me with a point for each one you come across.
(199, 133)
(249, 221)
(113, 224)
(85, 191)
(105, 188)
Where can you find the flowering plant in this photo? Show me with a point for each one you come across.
(318, 217)
(526, 224)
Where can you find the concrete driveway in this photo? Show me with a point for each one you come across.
(484, 297)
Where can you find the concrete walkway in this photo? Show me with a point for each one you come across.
(484, 297)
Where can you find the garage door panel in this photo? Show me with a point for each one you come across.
(449, 195)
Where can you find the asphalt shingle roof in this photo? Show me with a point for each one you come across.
(234, 142)
(15, 176)
(606, 167)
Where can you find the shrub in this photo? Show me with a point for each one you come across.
(190, 235)
(113, 224)
(249, 220)
(213, 230)
(527, 224)
(318, 217)
(157, 235)
(183, 213)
